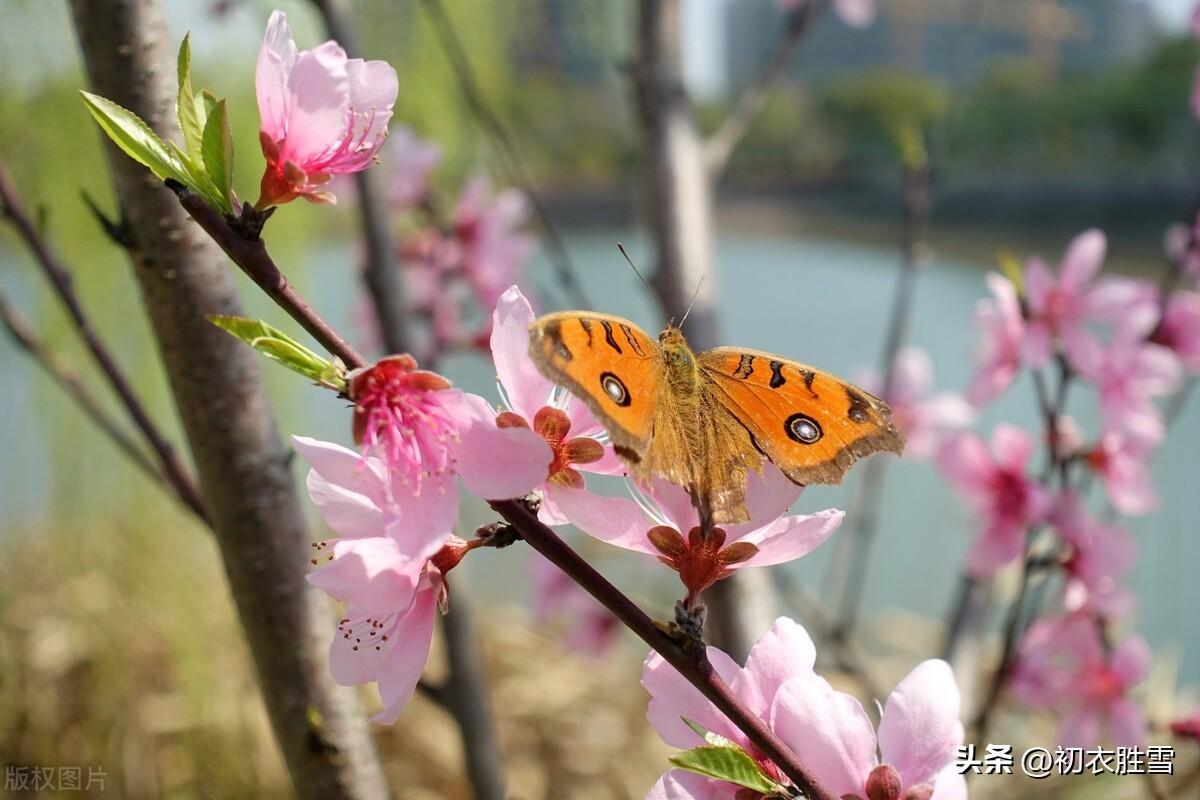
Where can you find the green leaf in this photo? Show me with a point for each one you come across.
(206, 103)
(185, 103)
(135, 138)
(730, 764)
(217, 153)
(278, 346)
(715, 739)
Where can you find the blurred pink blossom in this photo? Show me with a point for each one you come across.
(1057, 306)
(425, 432)
(1179, 329)
(1123, 464)
(925, 420)
(1003, 329)
(1101, 556)
(1128, 374)
(411, 159)
(591, 628)
(576, 438)
(494, 248)
(321, 114)
(855, 13)
(1064, 665)
(662, 522)
(996, 487)
(917, 744)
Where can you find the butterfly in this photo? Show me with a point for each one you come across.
(703, 420)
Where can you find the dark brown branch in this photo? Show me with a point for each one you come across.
(560, 258)
(725, 139)
(382, 274)
(27, 339)
(252, 257)
(173, 470)
(693, 666)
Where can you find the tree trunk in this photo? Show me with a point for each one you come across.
(243, 467)
(679, 205)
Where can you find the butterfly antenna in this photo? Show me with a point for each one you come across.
(653, 294)
(695, 294)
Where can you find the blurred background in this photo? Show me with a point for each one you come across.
(118, 643)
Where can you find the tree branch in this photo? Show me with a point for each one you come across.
(173, 470)
(27, 339)
(725, 139)
(560, 258)
(693, 666)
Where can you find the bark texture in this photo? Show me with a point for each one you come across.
(243, 467)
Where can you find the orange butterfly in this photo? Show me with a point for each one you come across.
(704, 420)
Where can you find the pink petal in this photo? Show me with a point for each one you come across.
(1157, 370)
(828, 730)
(526, 389)
(1012, 447)
(498, 463)
(347, 489)
(856, 13)
(275, 61)
(1081, 728)
(966, 463)
(616, 520)
(950, 785)
(913, 375)
(675, 505)
(1039, 282)
(402, 669)
(680, 784)
(786, 651)
(768, 495)
(373, 90)
(1038, 345)
(998, 545)
(1131, 661)
(370, 573)
(672, 698)
(1083, 259)
(789, 538)
(319, 115)
(919, 732)
(427, 515)
(1128, 724)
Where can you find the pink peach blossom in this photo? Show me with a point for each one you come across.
(925, 420)
(917, 743)
(1123, 463)
(996, 487)
(1063, 665)
(664, 523)
(1100, 557)
(1058, 306)
(494, 249)
(1002, 327)
(576, 438)
(1128, 374)
(411, 159)
(1179, 330)
(321, 114)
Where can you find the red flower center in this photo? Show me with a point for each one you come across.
(553, 425)
(700, 562)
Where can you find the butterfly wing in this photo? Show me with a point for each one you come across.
(811, 424)
(610, 364)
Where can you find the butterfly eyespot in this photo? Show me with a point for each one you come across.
(803, 429)
(615, 390)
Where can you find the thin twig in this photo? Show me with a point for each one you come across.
(27, 339)
(724, 140)
(173, 470)
(252, 257)
(560, 258)
(692, 663)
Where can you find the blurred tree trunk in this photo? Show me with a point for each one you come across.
(242, 465)
(679, 205)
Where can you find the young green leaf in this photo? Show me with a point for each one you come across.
(185, 103)
(206, 103)
(715, 739)
(135, 138)
(218, 155)
(730, 764)
(278, 346)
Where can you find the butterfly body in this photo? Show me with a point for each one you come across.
(704, 420)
